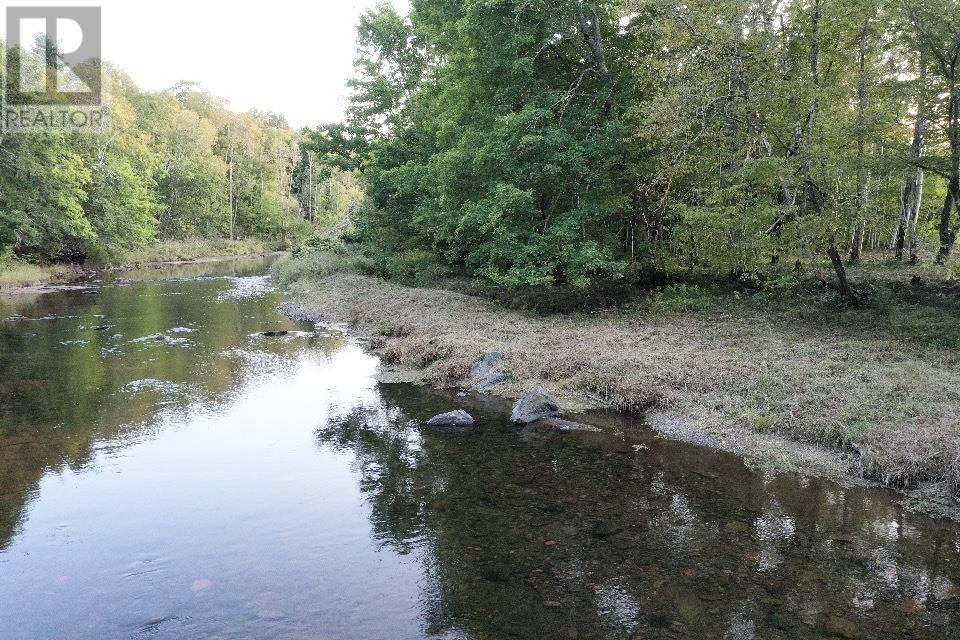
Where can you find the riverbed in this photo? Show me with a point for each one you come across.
(169, 471)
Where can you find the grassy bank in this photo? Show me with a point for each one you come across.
(875, 388)
(15, 274)
(185, 250)
(19, 275)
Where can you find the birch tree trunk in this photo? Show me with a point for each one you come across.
(913, 190)
(856, 243)
(948, 229)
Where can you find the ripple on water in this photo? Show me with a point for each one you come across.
(161, 338)
(151, 384)
(247, 287)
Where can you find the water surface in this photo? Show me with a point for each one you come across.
(168, 472)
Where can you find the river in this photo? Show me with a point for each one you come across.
(168, 472)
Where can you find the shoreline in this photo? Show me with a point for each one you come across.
(693, 377)
(75, 276)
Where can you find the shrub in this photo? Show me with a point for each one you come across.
(682, 297)
(311, 265)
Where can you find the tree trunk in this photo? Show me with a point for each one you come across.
(912, 199)
(856, 243)
(232, 215)
(311, 187)
(843, 285)
(913, 216)
(948, 234)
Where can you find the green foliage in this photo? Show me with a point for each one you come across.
(411, 267)
(309, 265)
(572, 143)
(682, 297)
(43, 188)
(321, 244)
(174, 164)
(486, 151)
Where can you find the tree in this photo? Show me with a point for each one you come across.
(43, 188)
(912, 197)
(936, 30)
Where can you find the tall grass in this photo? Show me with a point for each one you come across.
(15, 274)
(312, 265)
(187, 249)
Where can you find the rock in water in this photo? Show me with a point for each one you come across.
(488, 372)
(534, 406)
(458, 418)
(556, 425)
(274, 334)
(843, 628)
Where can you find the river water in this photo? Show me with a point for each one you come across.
(166, 471)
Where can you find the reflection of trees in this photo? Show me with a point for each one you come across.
(587, 538)
(387, 461)
(58, 401)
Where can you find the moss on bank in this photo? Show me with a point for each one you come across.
(875, 388)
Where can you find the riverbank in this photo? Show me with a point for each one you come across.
(865, 396)
(21, 278)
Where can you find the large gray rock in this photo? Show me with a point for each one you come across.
(489, 372)
(534, 406)
(458, 418)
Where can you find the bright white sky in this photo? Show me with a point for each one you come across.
(287, 56)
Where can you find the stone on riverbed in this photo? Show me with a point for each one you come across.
(534, 406)
(556, 425)
(458, 418)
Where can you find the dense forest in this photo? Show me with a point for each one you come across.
(173, 164)
(578, 142)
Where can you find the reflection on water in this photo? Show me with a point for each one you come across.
(166, 471)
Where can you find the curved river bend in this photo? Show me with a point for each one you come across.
(168, 472)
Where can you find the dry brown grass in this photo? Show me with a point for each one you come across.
(885, 406)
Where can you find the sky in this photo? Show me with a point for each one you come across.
(290, 57)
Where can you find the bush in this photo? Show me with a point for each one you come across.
(311, 265)
(321, 244)
(682, 297)
(406, 267)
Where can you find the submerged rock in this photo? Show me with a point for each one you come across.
(842, 627)
(489, 372)
(458, 418)
(534, 406)
(557, 425)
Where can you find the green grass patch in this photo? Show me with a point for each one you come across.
(15, 274)
(188, 249)
(311, 265)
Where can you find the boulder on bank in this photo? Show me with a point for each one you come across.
(534, 406)
(489, 372)
(458, 418)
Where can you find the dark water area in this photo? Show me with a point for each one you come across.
(168, 472)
